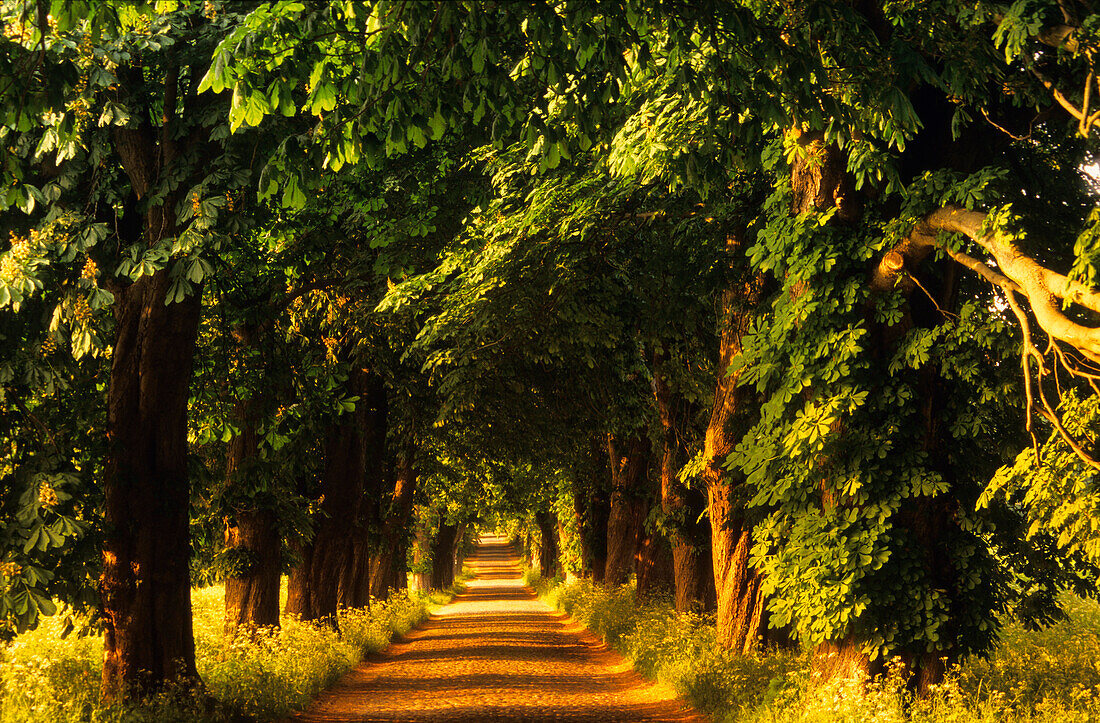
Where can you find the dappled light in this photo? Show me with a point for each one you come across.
(496, 654)
(549, 360)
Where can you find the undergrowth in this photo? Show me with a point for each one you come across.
(46, 675)
(1048, 676)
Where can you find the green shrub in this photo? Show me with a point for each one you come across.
(1048, 676)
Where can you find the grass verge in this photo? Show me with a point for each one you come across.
(46, 675)
(1048, 676)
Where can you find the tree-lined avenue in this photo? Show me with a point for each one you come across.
(497, 653)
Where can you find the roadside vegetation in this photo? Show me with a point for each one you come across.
(1045, 676)
(53, 673)
(790, 307)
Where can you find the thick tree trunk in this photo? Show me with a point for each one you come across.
(581, 527)
(335, 571)
(298, 598)
(596, 508)
(371, 415)
(736, 582)
(392, 550)
(443, 556)
(548, 544)
(354, 589)
(251, 535)
(400, 566)
(145, 584)
(653, 565)
(819, 178)
(422, 580)
(629, 469)
(740, 602)
(841, 660)
(252, 595)
(693, 573)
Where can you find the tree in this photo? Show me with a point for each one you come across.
(145, 188)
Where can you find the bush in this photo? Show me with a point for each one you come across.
(1050, 675)
(45, 676)
(680, 651)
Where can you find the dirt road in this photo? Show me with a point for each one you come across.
(496, 653)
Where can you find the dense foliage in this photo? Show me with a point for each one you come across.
(790, 307)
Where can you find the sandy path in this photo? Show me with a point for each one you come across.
(497, 653)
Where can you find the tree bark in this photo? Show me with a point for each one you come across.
(145, 584)
(252, 596)
(654, 565)
(443, 556)
(298, 597)
(693, 573)
(459, 551)
(737, 584)
(548, 544)
(629, 469)
(392, 550)
(421, 580)
(251, 534)
(334, 570)
(819, 178)
(596, 512)
(371, 417)
(820, 182)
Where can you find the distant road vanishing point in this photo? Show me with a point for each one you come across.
(497, 653)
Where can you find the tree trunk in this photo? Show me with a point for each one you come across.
(354, 591)
(251, 536)
(392, 550)
(819, 178)
(736, 582)
(371, 417)
(421, 580)
(252, 595)
(841, 660)
(443, 556)
(145, 584)
(298, 598)
(597, 511)
(400, 566)
(459, 551)
(548, 547)
(629, 469)
(653, 565)
(693, 573)
(334, 571)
